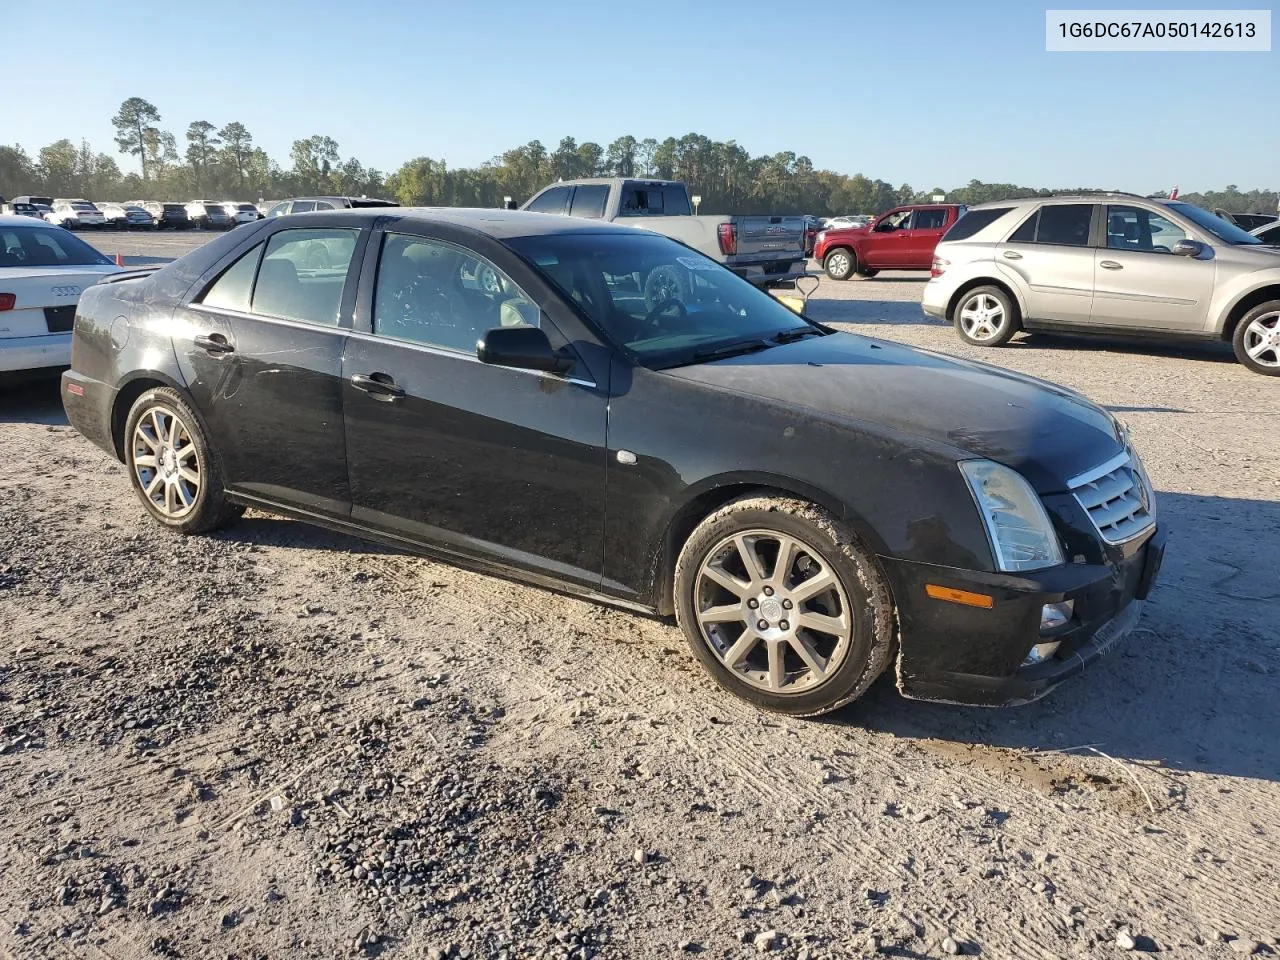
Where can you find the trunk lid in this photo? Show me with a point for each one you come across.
(42, 296)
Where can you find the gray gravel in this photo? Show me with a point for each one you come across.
(282, 742)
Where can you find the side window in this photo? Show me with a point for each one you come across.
(973, 221)
(302, 206)
(589, 201)
(1136, 228)
(1027, 232)
(1065, 223)
(434, 293)
(303, 275)
(1271, 235)
(325, 205)
(929, 220)
(894, 221)
(279, 210)
(233, 289)
(551, 201)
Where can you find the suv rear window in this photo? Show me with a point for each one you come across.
(1066, 224)
(973, 221)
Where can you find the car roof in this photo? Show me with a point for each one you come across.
(1072, 198)
(13, 220)
(499, 224)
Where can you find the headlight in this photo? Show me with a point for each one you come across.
(1021, 534)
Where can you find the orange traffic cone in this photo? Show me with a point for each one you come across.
(119, 260)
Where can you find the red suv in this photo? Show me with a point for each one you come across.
(902, 239)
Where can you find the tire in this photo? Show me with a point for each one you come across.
(767, 667)
(1259, 331)
(183, 506)
(985, 317)
(840, 263)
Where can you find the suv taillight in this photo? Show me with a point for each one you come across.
(8, 301)
(727, 234)
(939, 267)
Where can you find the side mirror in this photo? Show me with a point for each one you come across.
(524, 347)
(1188, 248)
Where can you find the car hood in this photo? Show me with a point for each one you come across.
(1046, 432)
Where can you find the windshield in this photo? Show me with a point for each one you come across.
(1211, 222)
(663, 302)
(43, 247)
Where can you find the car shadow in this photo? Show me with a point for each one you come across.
(269, 530)
(32, 398)
(1193, 688)
(1208, 351)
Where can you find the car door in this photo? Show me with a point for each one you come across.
(1139, 283)
(887, 241)
(262, 349)
(494, 463)
(1049, 258)
(926, 229)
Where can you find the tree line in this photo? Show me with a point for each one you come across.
(223, 162)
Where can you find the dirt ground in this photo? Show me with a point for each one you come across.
(278, 742)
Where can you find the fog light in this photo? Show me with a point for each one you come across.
(1055, 615)
(1041, 652)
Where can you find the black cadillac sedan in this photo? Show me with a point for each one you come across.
(604, 411)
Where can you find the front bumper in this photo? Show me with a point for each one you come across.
(35, 353)
(934, 299)
(967, 654)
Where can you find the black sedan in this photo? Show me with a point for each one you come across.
(607, 412)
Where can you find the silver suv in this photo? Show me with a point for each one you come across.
(1112, 263)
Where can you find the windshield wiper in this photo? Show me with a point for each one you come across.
(720, 353)
(790, 336)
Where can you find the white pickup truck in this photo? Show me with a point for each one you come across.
(766, 250)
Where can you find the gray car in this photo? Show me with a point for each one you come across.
(1117, 264)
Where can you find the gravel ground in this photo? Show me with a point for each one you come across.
(279, 742)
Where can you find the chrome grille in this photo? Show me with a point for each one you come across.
(1118, 498)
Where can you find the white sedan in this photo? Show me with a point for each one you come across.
(43, 270)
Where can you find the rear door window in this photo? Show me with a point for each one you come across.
(551, 201)
(1064, 224)
(303, 275)
(589, 201)
(303, 206)
(929, 219)
(234, 289)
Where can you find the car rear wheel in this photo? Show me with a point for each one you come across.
(1256, 340)
(840, 263)
(172, 467)
(782, 606)
(985, 317)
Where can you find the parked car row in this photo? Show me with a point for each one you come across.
(78, 213)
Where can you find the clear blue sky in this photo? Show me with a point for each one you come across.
(928, 93)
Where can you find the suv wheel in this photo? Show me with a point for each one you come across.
(1256, 340)
(985, 317)
(782, 606)
(840, 263)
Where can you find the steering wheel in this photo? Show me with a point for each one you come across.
(652, 316)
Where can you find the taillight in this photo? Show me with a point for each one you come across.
(8, 301)
(727, 234)
(939, 267)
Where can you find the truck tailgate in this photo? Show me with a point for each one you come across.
(759, 236)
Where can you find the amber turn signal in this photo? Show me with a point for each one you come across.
(959, 596)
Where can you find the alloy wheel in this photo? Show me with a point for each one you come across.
(773, 611)
(982, 317)
(166, 462)
(1262, 340)
(838, 263)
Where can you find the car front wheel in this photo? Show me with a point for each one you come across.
(1256, 340)
(172, 467)
(985, 317)
(782, 605)
(840, 263)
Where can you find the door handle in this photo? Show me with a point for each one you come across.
(378, 385)
(213, 343)
(1109, 265)
(1012, 255)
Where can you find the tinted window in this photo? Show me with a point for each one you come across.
(589, 201)
(302, 206)
(444, 296)
(1026, 233)
(1270, 235)
(973, 221)
(552, 201)
(1058, 223)
(929, 220)
(303, 275)
(656, 200)
(662, 301)
(325, 205)
(232, 290)
(1135, 228)
(42, 247)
